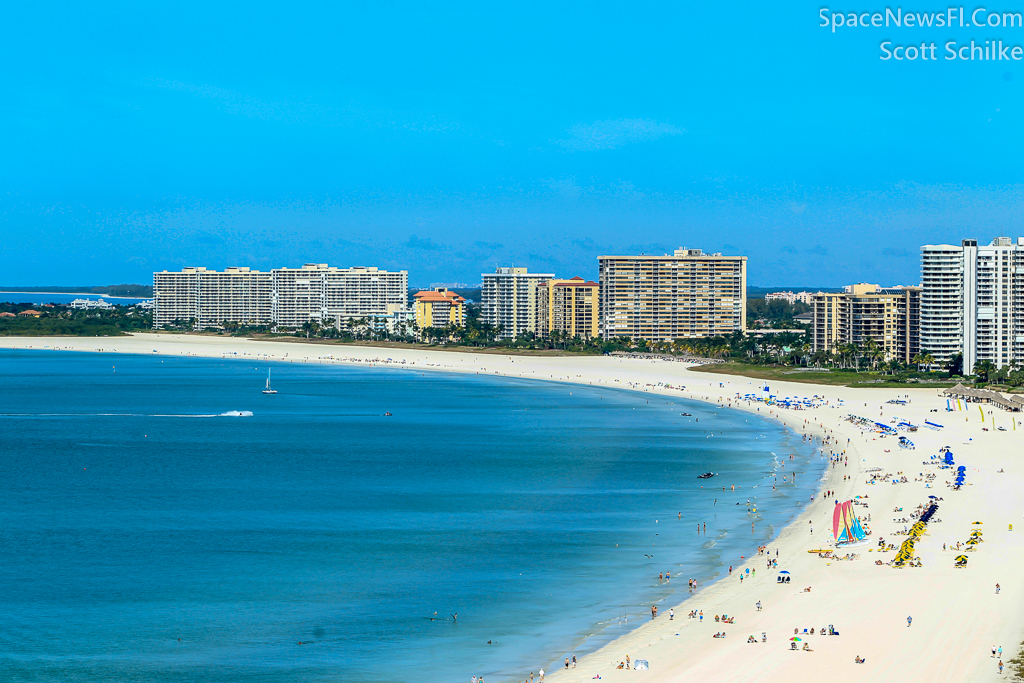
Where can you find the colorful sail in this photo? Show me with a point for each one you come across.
(846, 528)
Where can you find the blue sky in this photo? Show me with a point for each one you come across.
(452, 138)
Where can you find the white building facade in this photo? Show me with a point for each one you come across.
(509, 300)
(283, 297)
(209, 298)
(972, 302)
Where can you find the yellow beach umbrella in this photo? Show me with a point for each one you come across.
(977, 522)
(961, 558)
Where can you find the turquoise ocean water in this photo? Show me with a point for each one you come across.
(148, 533)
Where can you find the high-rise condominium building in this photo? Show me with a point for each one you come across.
(662, 298)
(210, 298)
(890, 317)
(317, 291)
(569, 307)
(509, 300)
(439, 307)
(973, 301)
(283, 297)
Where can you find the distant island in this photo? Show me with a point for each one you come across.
(129, 291)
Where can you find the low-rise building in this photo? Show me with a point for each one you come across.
(790, 297)
(570, 307)
(89, 304)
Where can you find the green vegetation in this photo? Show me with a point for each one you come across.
(1016, 665)
(61, 321)
(776, 314)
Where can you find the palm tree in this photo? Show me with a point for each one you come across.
(983, 369)
(872, 352)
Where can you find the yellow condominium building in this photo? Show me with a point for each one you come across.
(439, 308)
(569, 307)
(676, 296)
(890, 317)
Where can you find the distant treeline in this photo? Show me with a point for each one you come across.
(130, 291)
(61, 321)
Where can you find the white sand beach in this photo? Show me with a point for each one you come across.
(957, 615)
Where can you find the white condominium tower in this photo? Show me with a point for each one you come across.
(663, 298)
(283, 297)
(317, 291)
(509, 299)
(209, 298)
(972, 301)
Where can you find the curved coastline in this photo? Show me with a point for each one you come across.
(868, 603)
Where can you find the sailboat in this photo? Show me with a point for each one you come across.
(268, 390)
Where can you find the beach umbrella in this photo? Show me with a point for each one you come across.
(961, 558)
(783, 572)
(976, 532)
(977, 522)
(933, 496)
(795, 638)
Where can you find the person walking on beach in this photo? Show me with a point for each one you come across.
(993, 652)
(1000, 666)
(910, 620)
(627, 661)
(758, 605)
(997, 589)
(671, 614)
(566, 662)
(541, 672)
(574, 661)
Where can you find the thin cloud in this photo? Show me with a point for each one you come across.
(615, 133)
(427, 244)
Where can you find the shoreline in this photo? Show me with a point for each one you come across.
(956, 612)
